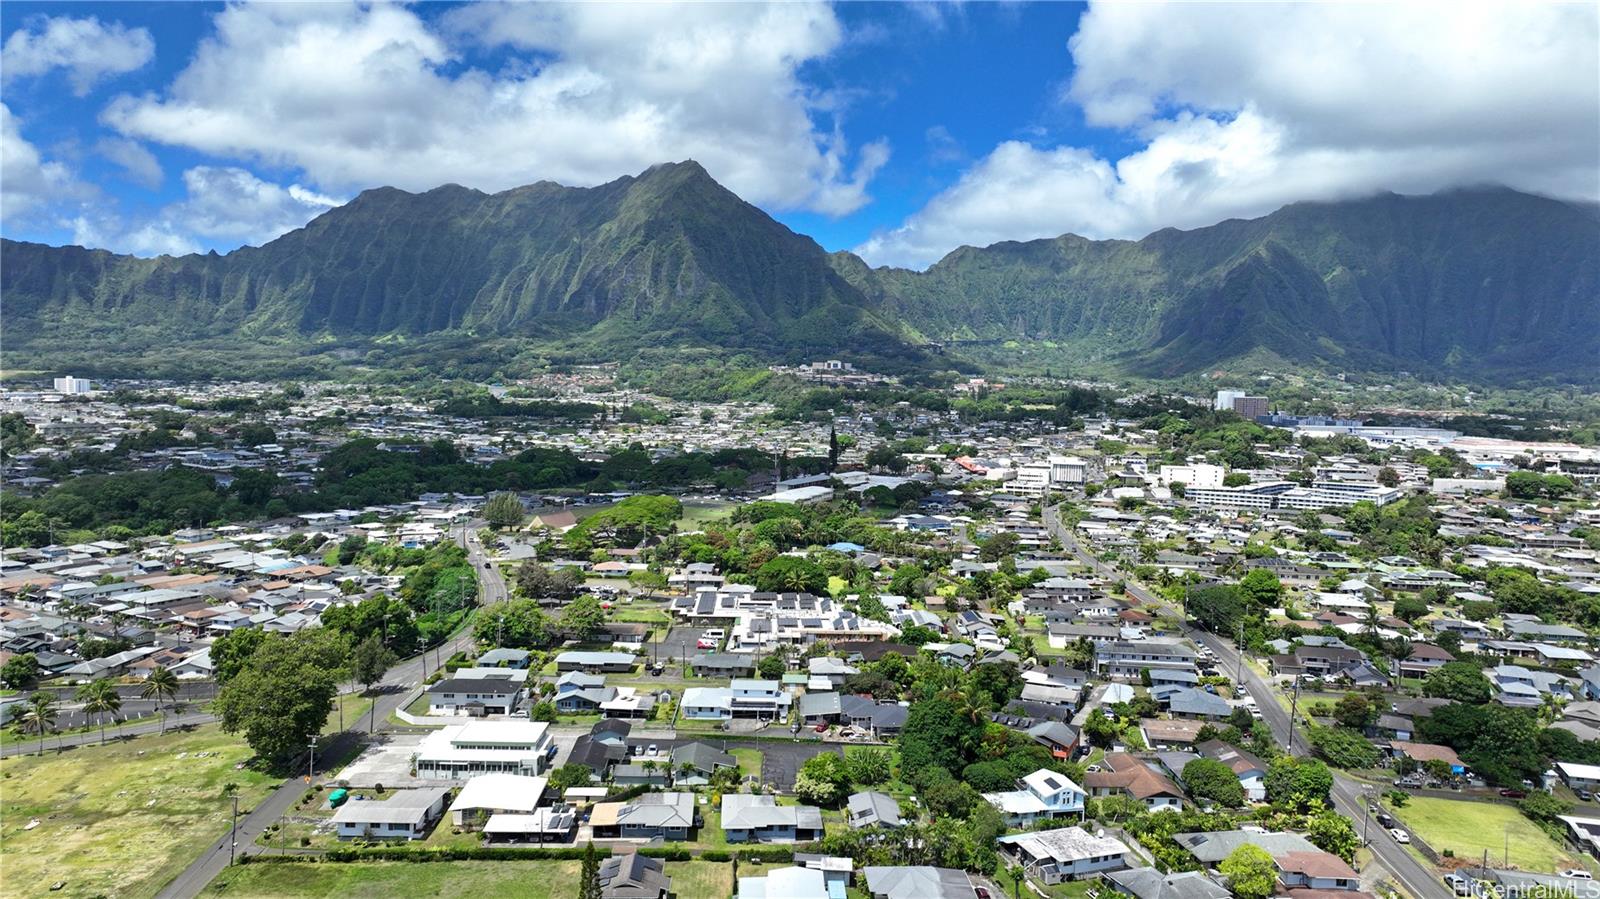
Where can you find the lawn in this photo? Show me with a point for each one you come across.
(458, 880)
(1468, 828)
(121, 819)
(749, 761)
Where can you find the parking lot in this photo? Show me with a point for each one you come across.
(679, 643)
(780, 761)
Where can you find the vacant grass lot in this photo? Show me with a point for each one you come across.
(458, 880)
(121, 819)
(1468, 828)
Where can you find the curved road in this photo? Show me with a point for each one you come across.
(1416, 878)
(396, 684)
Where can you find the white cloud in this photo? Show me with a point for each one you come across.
(225, 206)
(361, 96)
(87, 48)
(29, 183)
(140, 164)
(1244, 110)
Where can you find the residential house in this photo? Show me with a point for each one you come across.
(917, 882)
(1125, 659)
(1069, 853)
(1123, 774)
(664, 816)
(462, 751)
(629, 875)
(759, 819)
(723, 664)
(872, 809)
(1251, 771)
(404, 814)
(789, 882)
(1042, 794)
(1148, 883)
(760, 699)
(596, 662)
(1059, 738)
(696, 762)
(474, 697)
(495, 793)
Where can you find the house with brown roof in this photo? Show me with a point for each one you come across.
(1122, 774)
(1176, 733)
(1251, 771)
(1315, 871)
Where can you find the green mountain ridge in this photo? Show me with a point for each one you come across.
(1485, 282)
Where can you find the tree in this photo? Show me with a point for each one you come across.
(369, 661)
(571, 775)
(100, 697)
(232, 650)
(1235, 479)
(1355, 712)
(542, 711)
(823, 780)
(517, 624)
(771, 667)
(1343, 748)
(1101, 729)
(1250, 872)
(20, 671)
(1459, 682)
(1218, 608)
(936, 736)
(1297, 782)
(503, 510)
(284, 693)
(1263, 588)
(39, 716)
(162, 686)
(1388, 477)
(583, 618)
(1211, 779)
(787, 574)
(1409, 608)
(647, 582)
(908, 581)
(999, 546)
(869, 767)
(1332, 832)
(538, 582)
(589, 878)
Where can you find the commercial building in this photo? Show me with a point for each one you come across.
(462, 751)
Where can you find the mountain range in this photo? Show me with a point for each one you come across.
(1488, 283)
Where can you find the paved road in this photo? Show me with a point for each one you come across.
(1415, 877)
(391, 690)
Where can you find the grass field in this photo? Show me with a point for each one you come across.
(1468, 828)
(749, 761)
(122, 819)
(458, 880)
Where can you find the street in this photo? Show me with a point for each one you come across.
(1416, 878)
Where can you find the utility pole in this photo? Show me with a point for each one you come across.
(1238, 675)
(1294, 706)
(311, 762)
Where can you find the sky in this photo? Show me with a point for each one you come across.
(900, 131)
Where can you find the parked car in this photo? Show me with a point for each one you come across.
(1400, 836)
(1577, 873)
(980, 892)
(1461, 886)
(1514, 794)
(1585, 795)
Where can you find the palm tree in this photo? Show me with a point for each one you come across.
(1371, 619)
(1016, 873)
(161, 685)
(98, 698)
(39, 716)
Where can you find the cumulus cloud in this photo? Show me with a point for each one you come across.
(1269, 104)
(88, 49)
(356, 96)
(225, 206)
(29, 183)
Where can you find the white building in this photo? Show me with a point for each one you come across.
(462, 751)
(1043, 794)
(406, 814)
(73, 386)
(1070, 853)
(1199, 474)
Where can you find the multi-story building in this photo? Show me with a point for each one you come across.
(462, 751)
(1042, 794)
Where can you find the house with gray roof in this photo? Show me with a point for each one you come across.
(629, 875)
(405, 814)
(1211, 848)
(759, 819)
(871, 808)
(1148, 883)
(917, 882)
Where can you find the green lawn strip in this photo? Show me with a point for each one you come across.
(1468, 828)
(384, 880)
(749, 761)
(121, 819)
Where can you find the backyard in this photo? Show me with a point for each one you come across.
(459, 880)
(1468, 828)
(121, 819)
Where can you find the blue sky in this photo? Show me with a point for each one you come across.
(897, 130)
